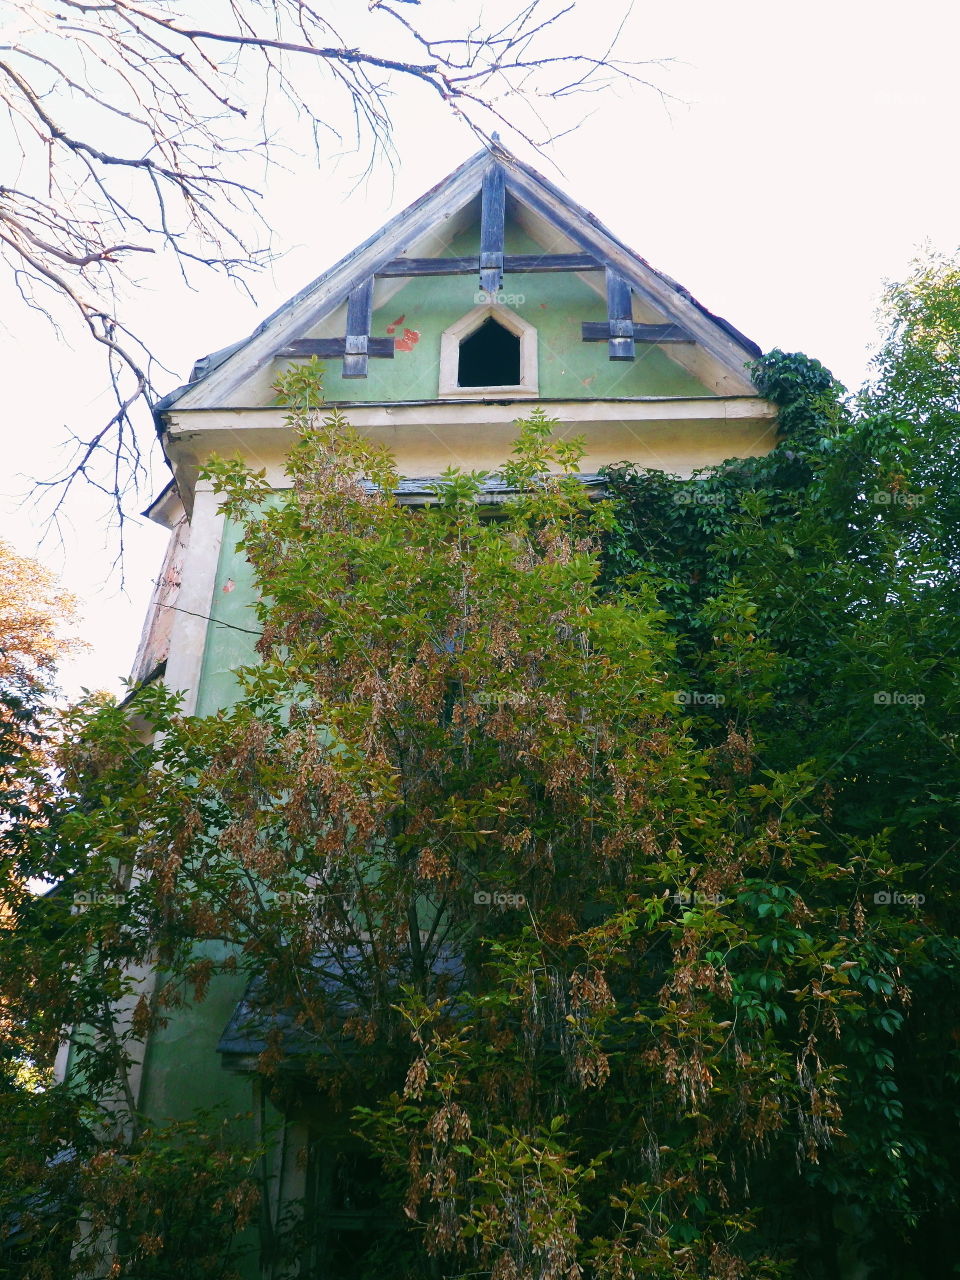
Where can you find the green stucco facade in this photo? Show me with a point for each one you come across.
(181, 1069)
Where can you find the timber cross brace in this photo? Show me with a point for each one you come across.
(621, 332)
(356, 347)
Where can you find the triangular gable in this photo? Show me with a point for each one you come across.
(640, 300)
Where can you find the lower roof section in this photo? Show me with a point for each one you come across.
(337, 985)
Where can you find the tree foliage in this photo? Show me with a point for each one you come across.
(916, 383)
(33, 616)
(841, 541)
(595, 861)
(37, 622)
(70, 1176)
(36, 619)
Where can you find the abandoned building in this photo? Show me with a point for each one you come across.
(492, 293)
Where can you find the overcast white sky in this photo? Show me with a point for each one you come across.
(809, 151)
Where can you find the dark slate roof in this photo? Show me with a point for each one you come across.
(14, 1233)
(493, 489)
(340, 980)
(420, 489)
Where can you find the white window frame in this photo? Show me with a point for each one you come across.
(450, 341)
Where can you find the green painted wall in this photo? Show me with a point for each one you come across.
(182, 1070)
(229, 644)
(555, 304)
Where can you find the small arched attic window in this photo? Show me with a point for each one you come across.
(491, 350)
(489, 357)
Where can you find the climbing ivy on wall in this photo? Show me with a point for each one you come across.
(826, 564)
(678, 530)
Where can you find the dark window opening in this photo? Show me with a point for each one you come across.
(490, 357)
(352, 1223)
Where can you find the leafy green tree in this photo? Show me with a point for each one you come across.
(37, 619)
(60, 1148)
(551, 836)
(840, 548)
(916, 384)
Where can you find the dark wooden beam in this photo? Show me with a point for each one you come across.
(492, 219)
(359, 320)
(513, 264)
(597, 331)
(332, 348)
(430, 267)
(620, 318)
(526, 263)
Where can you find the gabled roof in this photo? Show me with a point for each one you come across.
(217, 379)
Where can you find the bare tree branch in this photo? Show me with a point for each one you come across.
(132, 128)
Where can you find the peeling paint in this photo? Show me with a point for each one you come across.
(409, 340)
(228, 586)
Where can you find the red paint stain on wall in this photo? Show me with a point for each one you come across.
(409, 340)
(392, 327)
